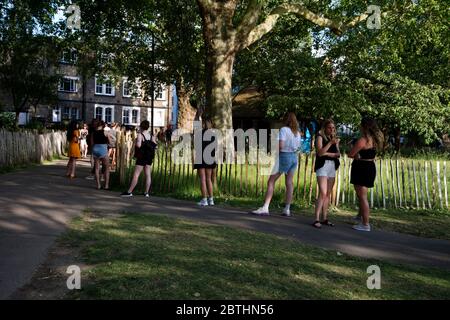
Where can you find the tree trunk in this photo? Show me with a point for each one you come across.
(186, 112)
(397, 139)
(218, 101)
(219, 35)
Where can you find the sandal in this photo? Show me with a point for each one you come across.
(327, 223)
(317, 224)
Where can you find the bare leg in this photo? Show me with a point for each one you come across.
(321, 200)
(289, 186)
(74, 165)
(202, 175)
(270, 188)
(134, 181)
(209, 183)
(148, 178)
(326, 204)
(105, 163)
(69, 167)
(363, 203)
(97, 172)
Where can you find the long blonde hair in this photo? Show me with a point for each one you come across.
(290, 120)
(324, 127)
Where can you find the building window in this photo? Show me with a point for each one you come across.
(105, 113)
(56, 114)
(69, 56)
(66, 113)
(159, 117)
(74, 114)
(160, 93)
(104, 87)
(69, 113)
(126, 89)
(68, 84)
(132, 90)
(131, 115)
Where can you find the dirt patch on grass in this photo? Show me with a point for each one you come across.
(49, 281)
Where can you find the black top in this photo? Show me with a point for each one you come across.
(367, 154)
(99, 137)
(205, 143)
(320, 161)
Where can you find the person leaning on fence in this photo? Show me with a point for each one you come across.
(144, 153)
(289, 144)
(206, 169)
(363, 170)
(100, 141)
(327, 162)
(73, 136)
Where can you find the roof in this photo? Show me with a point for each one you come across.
(247, 103)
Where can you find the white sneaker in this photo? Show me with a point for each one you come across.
(210, 202)
(361, 227)
(203, 203)
(261, 212)
(286, 212)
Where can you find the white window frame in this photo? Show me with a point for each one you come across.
(103, 86)
(163, 93)
(103, 116)
(125, 81)
(134, 91)
(74, 79)
(130, 117)
(73, 56)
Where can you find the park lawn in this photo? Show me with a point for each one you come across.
(138, 256)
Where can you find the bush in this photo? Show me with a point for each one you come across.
(8, 121)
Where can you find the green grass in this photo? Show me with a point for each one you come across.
(154, 257)
(433, 223)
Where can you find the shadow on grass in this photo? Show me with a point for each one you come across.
(154, 257)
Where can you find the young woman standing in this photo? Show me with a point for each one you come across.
(327, 162)
(289, 143)
(100, 143)
(73, 136)
(363, 170)
(144, 154)
(206, 169)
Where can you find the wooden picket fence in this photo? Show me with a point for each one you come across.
(400, 183)
(24, 147)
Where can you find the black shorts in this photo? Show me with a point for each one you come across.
(144, 162)
(363, 173)
(205, 166)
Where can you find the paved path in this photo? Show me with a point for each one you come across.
(37, 203)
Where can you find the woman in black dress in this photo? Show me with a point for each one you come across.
(206, 164)
(363, 171)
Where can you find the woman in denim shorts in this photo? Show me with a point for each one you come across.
(289, 144)
(327, 162)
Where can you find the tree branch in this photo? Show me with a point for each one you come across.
(250, 19)
(337, 27)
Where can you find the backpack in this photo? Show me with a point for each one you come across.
(147, 149)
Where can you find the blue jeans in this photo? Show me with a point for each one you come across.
(288, 161)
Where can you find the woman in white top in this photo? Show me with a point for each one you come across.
(289, 144)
